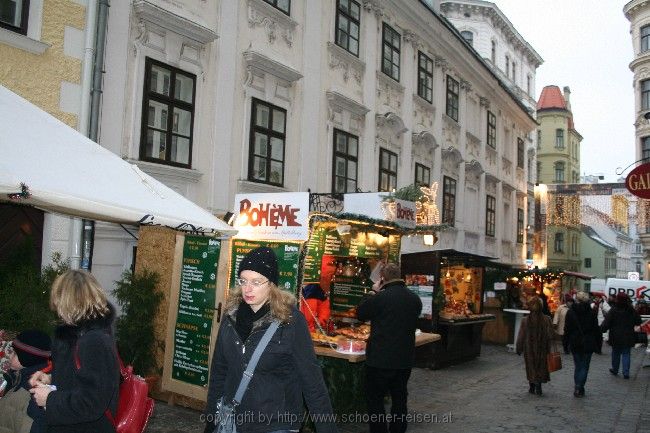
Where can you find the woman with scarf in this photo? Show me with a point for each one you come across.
(534, 341)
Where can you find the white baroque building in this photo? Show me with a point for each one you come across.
(217, 97)
(638, 13)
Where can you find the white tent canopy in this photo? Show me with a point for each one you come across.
(62, 171)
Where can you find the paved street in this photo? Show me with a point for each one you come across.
(491, 395)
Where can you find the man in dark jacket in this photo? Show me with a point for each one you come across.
(584, 337)
(620, 322)
(393, 311)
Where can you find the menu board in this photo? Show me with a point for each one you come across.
(326, 240)
(345, 295)
(195, 309)
(288, 254)
(423, 286)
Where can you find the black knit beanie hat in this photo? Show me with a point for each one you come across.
(263, 261)
(32, 347)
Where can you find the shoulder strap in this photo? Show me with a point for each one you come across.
(248, 374)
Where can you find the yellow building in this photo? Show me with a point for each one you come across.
(42, 51)
(558, 162)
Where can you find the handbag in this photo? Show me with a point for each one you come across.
(554, 361)
(134, 406)
(225, 416)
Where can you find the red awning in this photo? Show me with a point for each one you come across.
(578, 274)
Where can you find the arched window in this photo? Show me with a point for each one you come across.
(645, 38)
(468, 36)
(559, 243)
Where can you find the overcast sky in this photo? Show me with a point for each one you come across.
(586, 45)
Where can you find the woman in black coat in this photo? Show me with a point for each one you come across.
(287, 370)
(620, 322)
(582, 332)
(81, 394)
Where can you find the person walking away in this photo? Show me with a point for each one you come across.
(393, 311)
(534, 341)
(559, 319)
(582, 331)
(86, 372)
(287, 371)
(19, 413)
(620, 322)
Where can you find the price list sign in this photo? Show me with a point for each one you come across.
(195, 309)
(288, 255)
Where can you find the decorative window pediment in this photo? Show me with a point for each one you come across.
(260, 13)
(339, 101)
(391, 121)
(424, 143)
(349, 64)
(474, 167)
(148, 12)
(452, 154)
(258, 62)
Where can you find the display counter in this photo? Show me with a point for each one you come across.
(460, 341)
(344, 375)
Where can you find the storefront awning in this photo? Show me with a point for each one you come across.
(46, 164)
(578, 275)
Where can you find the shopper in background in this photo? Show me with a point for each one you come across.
(288, 370)
(534, 341)
(583, 333)
(86, 373)
(19, 413)
(620, 322)
(559, 319)
(393, 311)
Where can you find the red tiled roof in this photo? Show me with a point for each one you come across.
(551, 97)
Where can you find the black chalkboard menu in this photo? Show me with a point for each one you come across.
(195, 309)
(288, 254)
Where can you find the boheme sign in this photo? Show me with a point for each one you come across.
(638, 181)
(374, 205)
(281, 216)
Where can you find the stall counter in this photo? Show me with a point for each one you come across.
(420, 339)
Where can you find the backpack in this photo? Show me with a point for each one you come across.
(134, 406)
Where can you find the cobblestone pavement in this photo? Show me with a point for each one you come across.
(490, 394)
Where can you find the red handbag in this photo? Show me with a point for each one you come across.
(134, 406)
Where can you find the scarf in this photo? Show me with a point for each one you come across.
(246, 317)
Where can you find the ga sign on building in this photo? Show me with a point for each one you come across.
(638, 181)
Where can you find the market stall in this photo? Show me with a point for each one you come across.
(450, 284)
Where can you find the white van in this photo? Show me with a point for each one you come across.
(636, 290)
(597, 285)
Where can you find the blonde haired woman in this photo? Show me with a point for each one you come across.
(81, 393)
(287, 369)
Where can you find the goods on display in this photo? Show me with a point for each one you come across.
(423, 286)
(346, 345)
(462, 287)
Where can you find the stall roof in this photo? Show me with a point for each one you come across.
(48, 165)
(452, 256)
(578, 275)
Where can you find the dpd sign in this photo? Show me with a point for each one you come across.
(638, 181)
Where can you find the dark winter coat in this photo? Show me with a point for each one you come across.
(83, 395)
(393, 313)
(287, 371)
(620, 321)
(581, 329)
(535, 344)
(18, 410)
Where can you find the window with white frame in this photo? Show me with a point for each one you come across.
(348, 22)
(520, 153)
(559, 138)
(645, 95)
(14, 15)
(520, 225)
(558, 244)
(559, 171)
(645, 38)
(387, 170)
(346, 151)
(168, 115)
(267, 143)
(468, 36)
(645, 148)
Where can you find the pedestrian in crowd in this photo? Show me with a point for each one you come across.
(82, 391)
(620, 322)
(583, 333)
(287, 370)
(19, 413)
(642, 307)
(315, 306)
(545, 310)
(534, 341)
(393, 311)
(559, 319)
